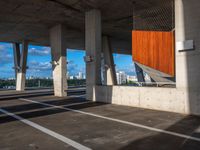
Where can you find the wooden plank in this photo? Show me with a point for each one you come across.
(154, 49)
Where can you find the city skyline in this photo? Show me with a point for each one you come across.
(39, 58)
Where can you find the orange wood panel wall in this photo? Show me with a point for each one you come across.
(154, 49)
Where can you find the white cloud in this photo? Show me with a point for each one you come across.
(74, 68)
(39, 66)
(5, 56)
(37, 52)
(129, 69)
(4, 47)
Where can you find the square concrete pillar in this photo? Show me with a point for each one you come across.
(58, 53)
(109, 67)
(93, 42)
(187, 23)
(20, 61)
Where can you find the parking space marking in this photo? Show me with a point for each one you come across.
(119, 121)
(60, 137)
(43, 93)
(68, 105)
(45, 108)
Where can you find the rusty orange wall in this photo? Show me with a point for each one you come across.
(154, 49)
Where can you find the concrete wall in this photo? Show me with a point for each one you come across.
(165, 99)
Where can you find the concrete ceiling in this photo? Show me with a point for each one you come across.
(32, 19)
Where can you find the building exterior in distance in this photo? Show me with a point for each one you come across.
(121, 77)
(132, 78)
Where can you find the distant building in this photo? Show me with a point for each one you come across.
(71, 77)
(80, 75)
(131, 78)
(121, 77)
(31, 77)
(11, 78)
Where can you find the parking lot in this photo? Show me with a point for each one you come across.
(36, 120)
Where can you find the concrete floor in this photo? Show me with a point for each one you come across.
(93, 125)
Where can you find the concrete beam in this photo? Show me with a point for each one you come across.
(93, 42)
(156, 76)
(20, 61)
(16, 53)
(109, 67)
(58, 53)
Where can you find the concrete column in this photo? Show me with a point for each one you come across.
(93, 44)
(20, 65)
(109, 68)
(58, 53)
(187, 23)
(181, 58)
(139, 73)
(16, 53)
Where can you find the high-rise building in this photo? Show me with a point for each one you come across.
(80, 75)
(121, 77)
(132, 78)
(71, 77)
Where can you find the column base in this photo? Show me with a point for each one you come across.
(20, 81)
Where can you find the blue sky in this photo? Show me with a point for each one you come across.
(39, 58)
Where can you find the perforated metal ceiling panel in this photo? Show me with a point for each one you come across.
(154, 15)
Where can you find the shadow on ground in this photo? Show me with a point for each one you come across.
(34, 110)
(161, 141)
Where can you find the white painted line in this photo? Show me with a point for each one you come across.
(54, 106)
(25, 94)
(47, 131)
(76, 95)
(42, 109)
(68, 105)
(46, 108)
(35, 94)
(121, 121)
(38, 109)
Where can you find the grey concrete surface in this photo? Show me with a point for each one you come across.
(109, 72)
(20, 59)
(187, 62)
(16, 55)
(12, 94)
(93, 45)
(32, 19)
(91, 131)
(58, 54)
(139, 73)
